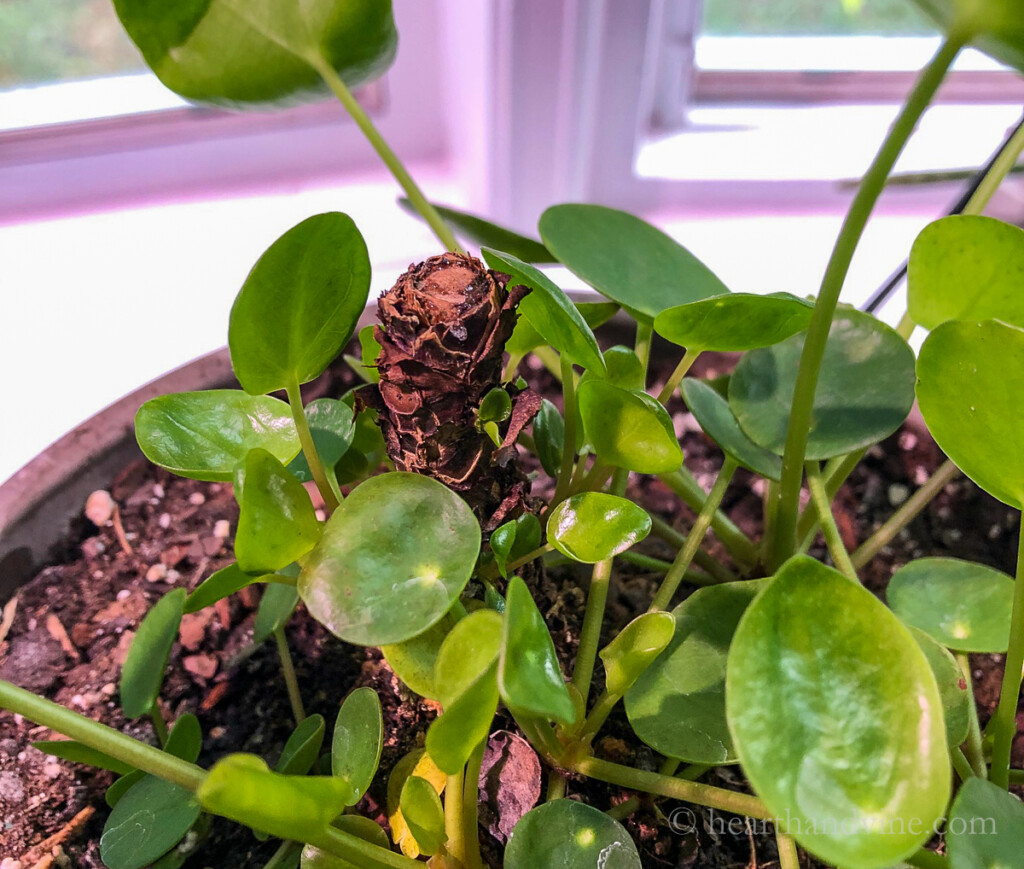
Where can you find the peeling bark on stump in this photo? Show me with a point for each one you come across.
(443, 331)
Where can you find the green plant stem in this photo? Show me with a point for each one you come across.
(569, 445)
(961, 764)
(788, 856)
(556, 787)
(549, 359)
(290, 679)
(684, 559)
(925, 859)
(834, 475)
(659, 565)
(642, 346)
(590, 634)
(719, 572)
(390, 159)
(470, 799)
(1017, 776)
(626, 808)
(906, 513)
(454, 826)
(159, 725)
(1005, 717)
(833, 539)
(1002, 166)
(530, 556)
(603, 707)
(685, 485)
(783, 542)
(672, 787)
(596, 477)
(283, 855)
(316, 467)
(974, 750)
(676, 377)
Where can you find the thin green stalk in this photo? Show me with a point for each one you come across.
(549, 358)
(659, 565)
(569, 445)
(783, 541)
(685, 485)
(1017, 777)
(159, 725)
(470, 799)
(833, 539)
(906, 326)
(624, 809)
(316, 467)
(672, 787)
(974, 749)
(1005, 718)
(642, 346)
(676, 377)
(454, 823)
(906, 513)
(603, 707)
(556, 787)
(788, 856)
(530, 556)
(283, 855)
(590, 634)
(596, 477)
(835, 474)
(1000, 168)
(961, 764)
(925, 859)
(684, 559)
(579, 474)
(719, 572)
(397, 168)
(290, 679)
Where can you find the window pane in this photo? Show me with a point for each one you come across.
(800, 17)
(44, 41)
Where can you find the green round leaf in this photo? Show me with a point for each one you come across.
(218, 51)
(277, 523)
(224, 583)
(865, 389)
(959, 604)
(423, 812)
(393, 559)
(204, 435)
(529, 677)
(678, 705)
(837, 719)
(570, 835)
(970, 377)
(985, 827)
(549, 435)
(299, 306)
(496, 406)
(143, 671)
(515, 539)
(996, 26)
(467, 653)
(635, 648)
(185, 740)
(593, 526)
(303, 747)
(465, 723)
(966, 267)
(358, 740)
(956, 700)
(150, 818)
(735, 321)
(623, 368)
(715, 416)
(413, 660)
(333, 426)
(550, 311)
(77, 752)
(629, 429)
(626, 259)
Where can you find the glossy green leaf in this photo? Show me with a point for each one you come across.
(393, 559)
(865, 389)
(515, 539)
(204, 435)
(185, 740)
(76, 752)
(966, 267)
(358, 740)
(629, 429)
(276, 607)
(678, 705)
(299, 306)
(467, 653)
(224, 583)
(464, 724)
(366, 366)
(570, 835)
(635, 648)
(120, 787)
(626, 259)
(302, 749)
(970, 377)
(956, 699)
(996, 26)
(333, 426)
(485, 233)
(549, 435)
(143, 671)
(959, 604)
(423, 812)
(719, 423)
(277, 522)
(985, 827)
(151, 817)
(833, 709)
(593, 526)
(550, 311)
(236, 54)
(366, 452)
(529, 678)
(735, 321)
(496, 406)
(525, 338)
(241, 787)
(413, 660)
(622, 368)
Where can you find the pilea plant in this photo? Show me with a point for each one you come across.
(848, 717)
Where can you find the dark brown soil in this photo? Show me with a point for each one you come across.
(75, 620)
